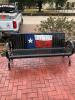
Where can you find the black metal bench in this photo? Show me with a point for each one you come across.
(43, 45)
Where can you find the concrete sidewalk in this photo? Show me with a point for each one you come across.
(29, 28)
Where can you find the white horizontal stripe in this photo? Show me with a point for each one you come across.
(43, 37)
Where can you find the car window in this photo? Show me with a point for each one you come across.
(7, 9)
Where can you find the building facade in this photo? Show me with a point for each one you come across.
(70, 4)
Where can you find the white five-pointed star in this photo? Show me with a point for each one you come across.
(30, 40)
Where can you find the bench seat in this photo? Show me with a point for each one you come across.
(42, 52)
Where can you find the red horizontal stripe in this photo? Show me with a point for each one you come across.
(42, 44)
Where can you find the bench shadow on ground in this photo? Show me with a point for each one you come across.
(38, 67)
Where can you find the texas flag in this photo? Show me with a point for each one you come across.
(39, 41)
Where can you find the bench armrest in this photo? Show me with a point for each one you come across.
(8, 48)
(70, 45)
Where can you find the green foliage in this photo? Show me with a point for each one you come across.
(20, 3)
(59, 3)
(29, 3)
(59, 24)
(3, 53)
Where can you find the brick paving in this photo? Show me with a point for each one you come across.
(38, 79)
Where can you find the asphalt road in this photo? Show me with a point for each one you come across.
(30, 22)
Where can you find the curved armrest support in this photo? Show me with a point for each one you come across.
(8, 47)
(70, 45)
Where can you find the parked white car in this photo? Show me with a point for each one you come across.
(10, 19)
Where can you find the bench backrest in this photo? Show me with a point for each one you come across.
(46, 40)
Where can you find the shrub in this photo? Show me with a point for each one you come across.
(59, 24)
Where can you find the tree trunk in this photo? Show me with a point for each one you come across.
(40, 8)
(56, 5)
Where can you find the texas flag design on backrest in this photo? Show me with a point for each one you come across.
(39, 41)
(42, 41)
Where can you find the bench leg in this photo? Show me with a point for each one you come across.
(69, 61)
(9, 64)
(11, 61)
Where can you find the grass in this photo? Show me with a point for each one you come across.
(3, 1)
(46, 12)
(32, 10)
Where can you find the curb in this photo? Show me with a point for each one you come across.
(48, 14)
